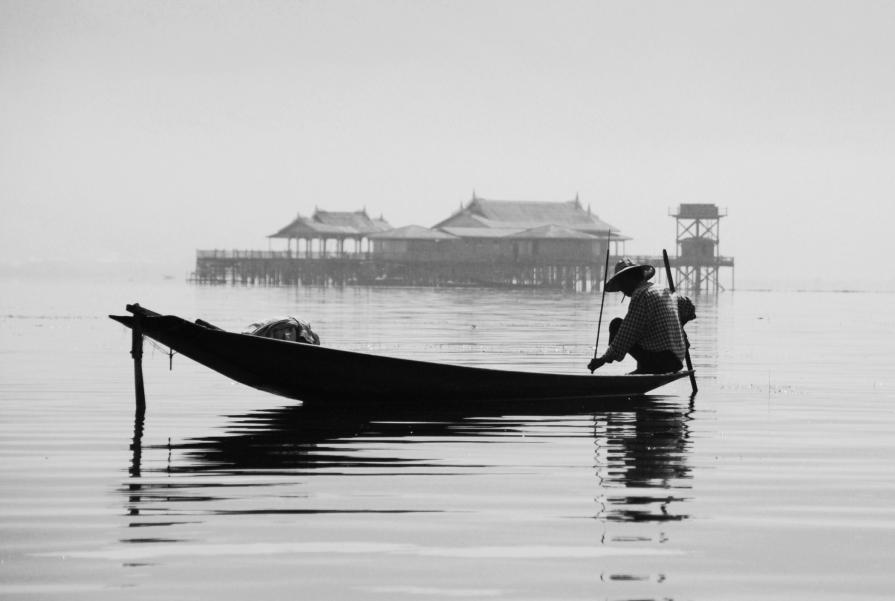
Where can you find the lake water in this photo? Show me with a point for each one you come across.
(776, 482)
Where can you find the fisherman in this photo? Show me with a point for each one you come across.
(652, 330)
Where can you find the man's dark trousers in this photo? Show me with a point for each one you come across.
(648, 362)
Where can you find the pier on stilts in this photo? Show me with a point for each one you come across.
(494, 243)
(275, 268)
(270, 268)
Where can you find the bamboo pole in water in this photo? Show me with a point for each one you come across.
(603, 298)
(686, 349)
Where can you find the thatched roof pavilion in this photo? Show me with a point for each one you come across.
(323, 226)
(519, 215)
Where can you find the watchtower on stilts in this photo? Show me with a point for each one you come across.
(698, 258)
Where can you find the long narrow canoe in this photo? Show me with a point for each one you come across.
(319, 374)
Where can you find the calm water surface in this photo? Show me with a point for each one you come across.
(776, 482)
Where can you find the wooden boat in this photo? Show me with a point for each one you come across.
(319, 374)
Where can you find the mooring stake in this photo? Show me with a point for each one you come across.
(137, 354)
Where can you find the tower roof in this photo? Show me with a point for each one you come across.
(699, 211)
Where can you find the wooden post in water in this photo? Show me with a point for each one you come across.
(137, 354)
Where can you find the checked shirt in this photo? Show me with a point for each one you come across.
(652, 322)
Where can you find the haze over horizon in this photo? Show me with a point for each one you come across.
(136, 132)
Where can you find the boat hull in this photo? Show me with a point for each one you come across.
(319, 374)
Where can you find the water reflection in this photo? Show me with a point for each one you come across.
(638, 454)
(134, 486)
(645, 451)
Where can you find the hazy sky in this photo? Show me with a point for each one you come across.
(140, 131)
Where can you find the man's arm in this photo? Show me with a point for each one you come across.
(628, 334)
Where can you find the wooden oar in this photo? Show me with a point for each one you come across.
(603, 299)
(686, 350)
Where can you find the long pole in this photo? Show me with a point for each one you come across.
(603, 299)
(686, 350)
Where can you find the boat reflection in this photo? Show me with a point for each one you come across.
(639, 453)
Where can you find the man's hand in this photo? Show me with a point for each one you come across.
(596, 363)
